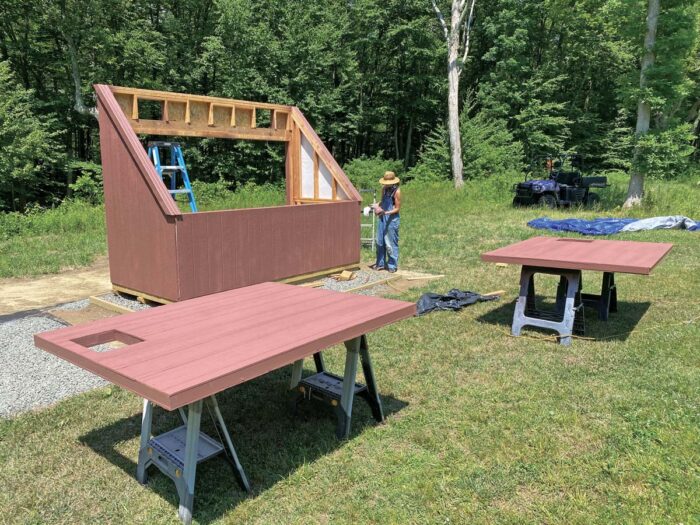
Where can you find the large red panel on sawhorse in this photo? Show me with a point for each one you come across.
(183, 354)
(567, 258)
(582, 254)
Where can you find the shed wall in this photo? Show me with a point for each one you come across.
(229, 249)
(140, 238)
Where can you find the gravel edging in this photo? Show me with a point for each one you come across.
(32, 378)
(119, 300)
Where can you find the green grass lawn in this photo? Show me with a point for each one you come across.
(482, 427)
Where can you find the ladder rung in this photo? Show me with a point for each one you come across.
(180, 191)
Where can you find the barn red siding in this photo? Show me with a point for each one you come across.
(140, 238)
(155, 249)
(229, 249)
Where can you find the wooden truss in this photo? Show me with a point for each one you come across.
(312, 174)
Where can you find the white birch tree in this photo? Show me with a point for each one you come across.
(635, 189)
(457, 34)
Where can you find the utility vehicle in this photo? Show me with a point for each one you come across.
(564, 185)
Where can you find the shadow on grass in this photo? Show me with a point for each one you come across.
(271, 436)
(617, 328)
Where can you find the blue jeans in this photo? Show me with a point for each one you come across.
(388, 241)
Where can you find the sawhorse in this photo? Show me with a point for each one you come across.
(176, 453)
(338, 391)
(568, 317)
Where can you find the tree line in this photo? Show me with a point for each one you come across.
(371, 75)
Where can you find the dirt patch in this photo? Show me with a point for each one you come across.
(18, 295)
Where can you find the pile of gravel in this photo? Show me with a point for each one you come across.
(31, 378)
(362, 277)
(75, 305)
(132, 304)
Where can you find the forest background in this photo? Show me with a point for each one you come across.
(371, 75)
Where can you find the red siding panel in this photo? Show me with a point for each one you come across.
(583, 254)
(192, 349)
(230, 249)
(140, 238)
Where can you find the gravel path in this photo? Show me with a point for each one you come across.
(75, 305)
(31, 378)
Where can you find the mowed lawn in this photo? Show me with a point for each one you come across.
(482, 427)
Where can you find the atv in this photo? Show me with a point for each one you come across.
(562, 187)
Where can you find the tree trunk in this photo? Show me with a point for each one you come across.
(453, 97)
(635, 189)
(409, 138)
(396, 139)
(79, 105)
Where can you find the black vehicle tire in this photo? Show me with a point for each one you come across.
(517, 203)
(592, 199)
(548, 200)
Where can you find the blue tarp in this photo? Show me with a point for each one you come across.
(611, 225)
(602, 226)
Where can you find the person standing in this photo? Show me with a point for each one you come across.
(389, 220)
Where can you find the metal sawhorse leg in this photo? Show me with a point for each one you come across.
(340, 392)
(569, 306)
(177, 452)
(606, 302)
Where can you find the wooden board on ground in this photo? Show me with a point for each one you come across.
(103, 303)
(140, 296)
(91, 312)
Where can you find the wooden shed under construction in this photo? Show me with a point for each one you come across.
(157, 250)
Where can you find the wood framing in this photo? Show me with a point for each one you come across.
(157, 250)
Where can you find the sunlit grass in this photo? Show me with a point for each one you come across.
(482, 427)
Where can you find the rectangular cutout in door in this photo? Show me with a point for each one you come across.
(106, 341)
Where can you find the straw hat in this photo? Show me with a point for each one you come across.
(389, 179)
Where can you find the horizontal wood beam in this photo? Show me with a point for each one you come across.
(181, 129)
(149, 94)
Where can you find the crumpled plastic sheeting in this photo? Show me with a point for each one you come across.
(671, 222)
(611, 225)
(453, 300)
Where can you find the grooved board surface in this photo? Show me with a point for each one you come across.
(223, 250)
(182, 352)
(582, 254)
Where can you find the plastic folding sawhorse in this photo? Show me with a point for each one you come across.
(338, 391)
(568, 317)
(177, 452)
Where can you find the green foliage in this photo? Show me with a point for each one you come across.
(666, 154)
(365, 172)
(50, 240)
(88, 185)
(542, 126)
(27, 143)
(434, 157)
(488, 149)
(218, 195)
(369, 74)
(619, 143)
(207, 192)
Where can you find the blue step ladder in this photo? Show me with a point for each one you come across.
(177, 165)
